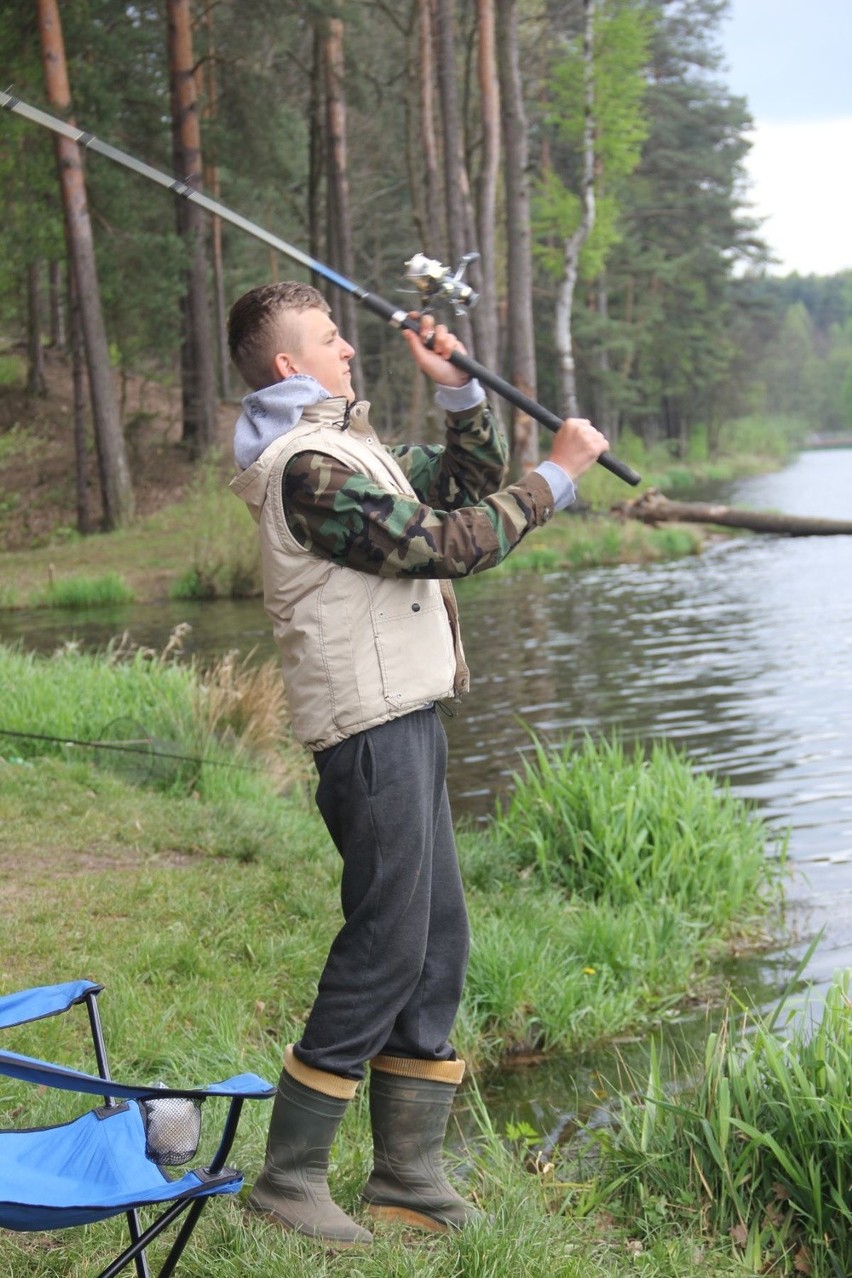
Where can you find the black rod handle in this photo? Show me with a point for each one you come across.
(400, 319)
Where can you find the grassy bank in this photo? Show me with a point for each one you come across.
(206, 548)
(205, 896)
(203, 544)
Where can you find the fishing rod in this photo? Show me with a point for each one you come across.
(431, 278)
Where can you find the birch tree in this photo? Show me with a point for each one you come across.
(598, 127)
(574, 243)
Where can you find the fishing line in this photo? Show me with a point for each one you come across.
(129, 747)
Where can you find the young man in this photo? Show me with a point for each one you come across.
(358, 544)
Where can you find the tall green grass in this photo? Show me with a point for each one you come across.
(759, 1148)
(105, 591)
(602, 823)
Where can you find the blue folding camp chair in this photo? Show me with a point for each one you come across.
(109, 1161)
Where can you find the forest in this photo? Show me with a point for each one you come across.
(588, 152)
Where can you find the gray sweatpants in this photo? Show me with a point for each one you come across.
(394, 975)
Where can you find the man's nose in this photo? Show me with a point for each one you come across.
(347, 351)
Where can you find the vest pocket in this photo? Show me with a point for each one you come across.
(415, 647)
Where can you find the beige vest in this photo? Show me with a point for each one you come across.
(357, 649)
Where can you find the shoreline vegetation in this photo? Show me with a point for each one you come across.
(603, 895)
(200, 542)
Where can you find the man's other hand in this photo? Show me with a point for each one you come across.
(577, 445)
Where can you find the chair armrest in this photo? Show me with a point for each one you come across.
(42, 1001)
(44, 1073)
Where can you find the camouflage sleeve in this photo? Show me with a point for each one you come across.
(469, 466)
(344, 516)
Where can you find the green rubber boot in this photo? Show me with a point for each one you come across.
(292, 1189)
(409, 1109)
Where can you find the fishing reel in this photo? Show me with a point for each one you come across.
(438, 283)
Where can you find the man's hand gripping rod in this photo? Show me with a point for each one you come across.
(385, 310)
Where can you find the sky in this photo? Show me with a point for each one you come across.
(792, 61)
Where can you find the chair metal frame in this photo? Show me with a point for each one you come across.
(216, 1178)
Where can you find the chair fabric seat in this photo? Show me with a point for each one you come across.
(89, 1169)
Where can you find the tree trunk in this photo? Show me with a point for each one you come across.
(431, 239)
(573, 245)
(57, 308)
(211, 181)
(116, 488)
(456, 184)
(316, 160)
(79, 407)
(606, 418)
(36, 383)
(341, 253)
(653, 508)
(519, 327)
(198, 381)
(485, 317)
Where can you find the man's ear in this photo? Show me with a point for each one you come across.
(283, 366)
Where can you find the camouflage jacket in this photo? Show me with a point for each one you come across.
(459, 522)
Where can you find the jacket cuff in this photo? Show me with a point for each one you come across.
(460, 399)
(560, 483)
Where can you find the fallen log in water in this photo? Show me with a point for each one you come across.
(652, 507)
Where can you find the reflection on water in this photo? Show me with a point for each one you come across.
(741, 656)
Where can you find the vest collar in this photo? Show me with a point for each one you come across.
(338, 414)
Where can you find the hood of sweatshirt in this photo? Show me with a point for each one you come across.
(271, 412)
(326, 410)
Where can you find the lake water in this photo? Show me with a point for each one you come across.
(741, 656)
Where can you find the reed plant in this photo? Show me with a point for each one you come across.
(108, 590)
(604, 823)
(758, 1149)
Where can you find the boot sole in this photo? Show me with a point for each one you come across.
(342, 1244)
(407, 1216)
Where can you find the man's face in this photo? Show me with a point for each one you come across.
(321, 353)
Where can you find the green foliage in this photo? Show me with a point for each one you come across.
(12, 370)
(606, 825)
(773, 437)
(85, 592)
(759, 1145)
(619, 56)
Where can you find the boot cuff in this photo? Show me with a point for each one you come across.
(319, 1080)
(451, 1072)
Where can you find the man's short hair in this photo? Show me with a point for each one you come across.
(258, 326)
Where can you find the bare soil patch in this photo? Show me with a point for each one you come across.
(37, 470)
